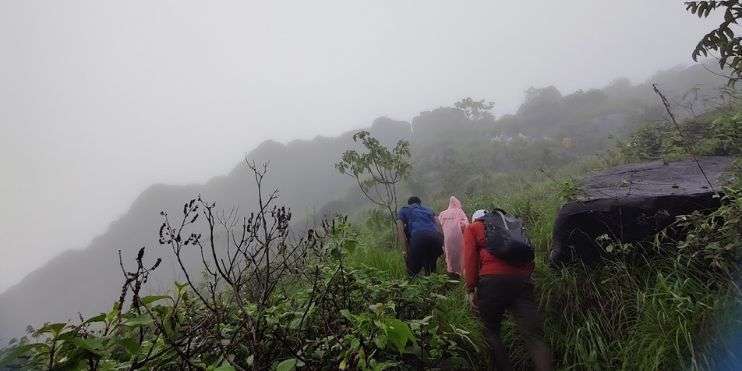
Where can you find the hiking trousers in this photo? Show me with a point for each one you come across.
(425, 248)
(497, 294)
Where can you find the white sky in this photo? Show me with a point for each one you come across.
(99, 98)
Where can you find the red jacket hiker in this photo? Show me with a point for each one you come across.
(502, 287)
(480, 262)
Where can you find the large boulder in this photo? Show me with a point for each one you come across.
(631, 203)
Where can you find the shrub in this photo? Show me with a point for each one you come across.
(267, 301)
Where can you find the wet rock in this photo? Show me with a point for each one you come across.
(631, 203)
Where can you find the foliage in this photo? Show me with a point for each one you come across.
(358, 321)
(630, 315)
(541, 101)
(657, 306)
(724, 136)
(711, 241)
(265, 302)
(722, 39)
(721, 137)
(335, 298)
(476, 110)
(378, 170)
(663, 305)
(647, 142)
(569, 189)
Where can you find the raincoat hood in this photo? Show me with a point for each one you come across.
(454, 203)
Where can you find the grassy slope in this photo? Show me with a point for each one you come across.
(641, 309)
(651, 313)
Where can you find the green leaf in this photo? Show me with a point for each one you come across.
(380, 341)
(153, 298)
(14, 354)
(99, 318)
(398, 333)
(346, 313)
(51, 328)
(377, 308)
(113, 313)
(140, 320)
(68, 335)
(294, 324)
(108, 365)
(287, 365)
(380, 366)
(93, 345)
(225, 366)
(130, 344)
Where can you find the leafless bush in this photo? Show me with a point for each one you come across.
(245, 260)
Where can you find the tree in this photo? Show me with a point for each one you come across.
(378, 170)
(542, 102)
(476, 110)
(721, 40)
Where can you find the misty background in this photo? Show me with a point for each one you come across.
(99, 100)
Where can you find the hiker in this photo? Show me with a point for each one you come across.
(494, 286)
(453, 222)
(421, 233)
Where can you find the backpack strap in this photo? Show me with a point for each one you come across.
(501, 213)
(500, 210)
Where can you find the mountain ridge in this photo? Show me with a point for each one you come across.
(309, 184)
(92, 273)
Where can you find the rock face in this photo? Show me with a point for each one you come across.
(633, 202)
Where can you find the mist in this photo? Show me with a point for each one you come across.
(99, 100)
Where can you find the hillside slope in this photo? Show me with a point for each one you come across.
(451, 153)
(87, 280)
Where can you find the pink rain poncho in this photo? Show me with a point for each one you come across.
(453, 220)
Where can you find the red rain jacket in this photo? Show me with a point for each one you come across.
(479, 262)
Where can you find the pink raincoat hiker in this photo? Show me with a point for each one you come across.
(454, 221)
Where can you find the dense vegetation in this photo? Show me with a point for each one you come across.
(666, 305)
(721, 42)
(257, 294)
(453, 152)
(338, 296)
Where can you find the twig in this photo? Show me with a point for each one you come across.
(688, 145)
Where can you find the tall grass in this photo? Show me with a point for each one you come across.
(649, 312)
(377, 251)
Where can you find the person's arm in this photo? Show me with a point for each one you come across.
(401, 236)
(402, 229)
(471, 259)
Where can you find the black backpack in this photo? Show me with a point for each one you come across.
(506, 238)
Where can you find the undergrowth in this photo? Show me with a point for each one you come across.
(664, 305)
(348, 304)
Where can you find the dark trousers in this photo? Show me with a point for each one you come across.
(425, 248)
(498, 294)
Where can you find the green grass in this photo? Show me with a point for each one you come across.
(650, 313)
(654, 307)
(387, 260)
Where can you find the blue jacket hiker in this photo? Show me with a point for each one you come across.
(419, 229)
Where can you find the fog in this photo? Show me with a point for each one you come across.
(100, 99)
